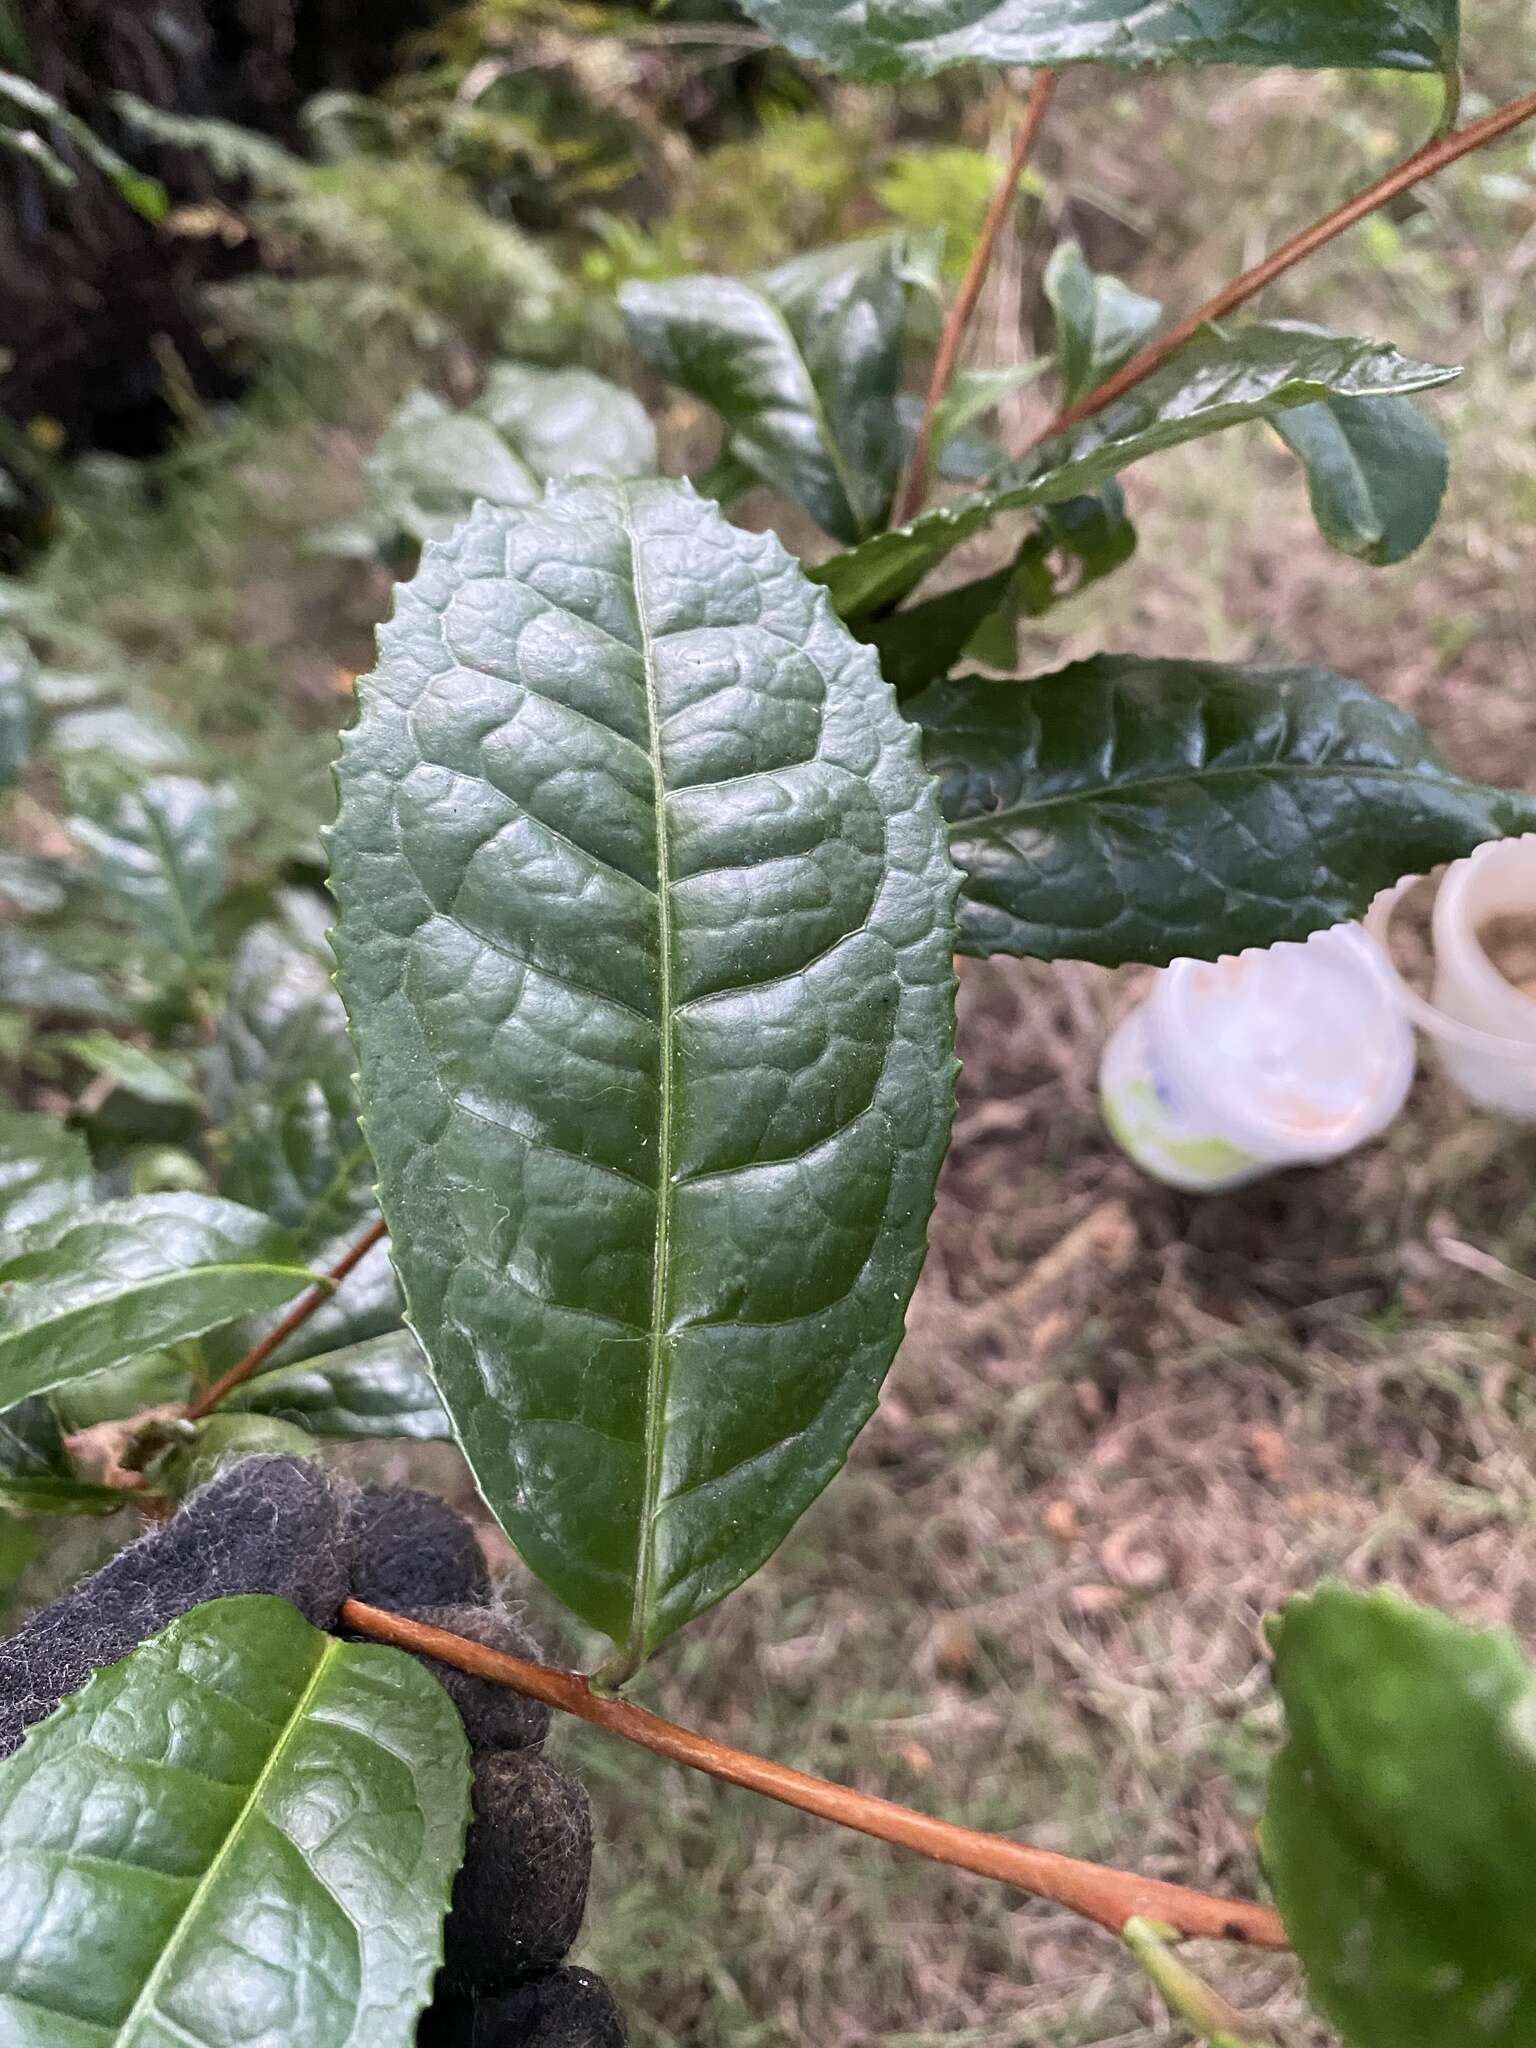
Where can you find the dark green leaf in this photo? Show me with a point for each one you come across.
(280, 1078)
(802, 364)
(18, 671)
(1073, 545)
(1376, 473)
(44, 1168)
(568, 422)
(381, 1388)
(893, 39)
(1125, 809)
(431, 463)
(1100, 322)
(160, 851)
(918, 646)
(58, 1494)
(1400, 1821)
(245, 1832)
(83, 1292)
(645, 941)
(1218, 381)
(150, 1076)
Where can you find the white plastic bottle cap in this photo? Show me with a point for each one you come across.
(1284, 1056)
(1482, 1026)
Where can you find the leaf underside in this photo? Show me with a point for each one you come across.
(645, 940)
(245, 1832)
(892, 39)
(1133, 810)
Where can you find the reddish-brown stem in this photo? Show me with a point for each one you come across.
(1109, 1897)
(296, 1317)
(914, 487)
(1424, 163)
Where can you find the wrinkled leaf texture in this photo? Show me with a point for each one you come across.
(645, 940)
(244, 1832)
(1133, 810)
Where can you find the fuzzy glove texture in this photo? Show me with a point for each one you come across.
(281, 1525)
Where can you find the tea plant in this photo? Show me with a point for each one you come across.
(654, 848)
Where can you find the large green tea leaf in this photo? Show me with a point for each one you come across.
(1219, 380)
(803, 365)
(87, 1290)
(892, 39)
(1125, 809)
(645, 933)
(246, 1832)
(1400, 1822)
(1376, 469)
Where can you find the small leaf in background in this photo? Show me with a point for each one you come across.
(158, 1077)
(803, 366)
(18, 674)
(31, 1441)
(45, 1167)
(279, 1077)
(37, 974)
(568, 422)
(1400, 1821)
(245, 1824)
(645, 938)
(1100, 322)
(1218, 380)
(1377, 470)
(431, 463)
(159, 850)
(85, 1291)
(1134, 810)
(893, 39)
(225, 1439)
(122, 738)
(380, 1388)
(57, 1494)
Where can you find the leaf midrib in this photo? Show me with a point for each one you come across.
(1020, 814)
(818, 412)
(658, 1363)
(144, 2004)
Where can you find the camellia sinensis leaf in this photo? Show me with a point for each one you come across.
(1133, 810)
(645, 941)
(894, 39)
(246, 1831)
(1400, 1820)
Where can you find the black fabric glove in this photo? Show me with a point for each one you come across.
(281, 1525)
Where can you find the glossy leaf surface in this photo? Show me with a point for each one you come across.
(1376, 469)
(1125, 809)
(1400, 1820)
(44, 1167)
(379, 1388)
(645, 936)
(87, 1290)
(160, 851)
(1220, 380)
(568, 422)
(245, 1832)
(803, 365)
(893, 39)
